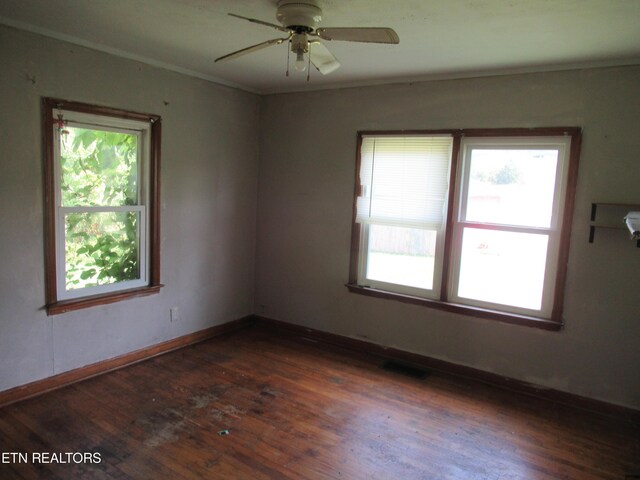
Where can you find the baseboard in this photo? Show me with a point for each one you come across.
(442, 366)
(54, 382)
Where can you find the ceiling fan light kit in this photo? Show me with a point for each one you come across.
(300, 18)
(299, 46)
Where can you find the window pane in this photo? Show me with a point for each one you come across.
(99, 168)
(512, 186)
(101, 248)
(402, 256)
(503, 267)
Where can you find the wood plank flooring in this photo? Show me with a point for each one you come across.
(295, 409)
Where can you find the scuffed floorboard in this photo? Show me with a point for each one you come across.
(301, 410)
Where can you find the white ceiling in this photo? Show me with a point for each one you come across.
(438, 38)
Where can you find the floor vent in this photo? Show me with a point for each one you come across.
(405, 369)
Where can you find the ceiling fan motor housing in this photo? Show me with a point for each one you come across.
(299, 15)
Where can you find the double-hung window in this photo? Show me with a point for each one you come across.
(101, 183)
(472, 221)
(404, 183)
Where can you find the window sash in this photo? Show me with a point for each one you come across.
(141, 134)
(559, 144)
(141, 227)
(547, 286)
(115, 125)
(363, 264)
(412, 161)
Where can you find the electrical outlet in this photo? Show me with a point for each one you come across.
(174, 314)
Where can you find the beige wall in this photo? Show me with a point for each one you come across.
(307, 167)
(209, 182)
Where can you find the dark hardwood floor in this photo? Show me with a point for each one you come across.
(295, 409)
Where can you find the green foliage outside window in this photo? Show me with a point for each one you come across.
(507, 174)
(99, 169)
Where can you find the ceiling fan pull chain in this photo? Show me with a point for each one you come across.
(308, 61)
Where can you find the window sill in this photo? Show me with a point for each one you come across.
(95, 300)
(477, 312)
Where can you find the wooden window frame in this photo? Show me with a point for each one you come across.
(555, 322)
(54, 305)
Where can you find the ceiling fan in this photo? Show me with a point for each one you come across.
(299, 19)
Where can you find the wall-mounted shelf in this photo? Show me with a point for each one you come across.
(621, 208)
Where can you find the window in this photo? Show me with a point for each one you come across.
(404, 181)
(102, 190)
(472, 221)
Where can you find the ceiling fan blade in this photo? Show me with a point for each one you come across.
(322, 58)
(253, 48)
(357, 34)
(260, 22)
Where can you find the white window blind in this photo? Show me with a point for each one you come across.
(404, 180)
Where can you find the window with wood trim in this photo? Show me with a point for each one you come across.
(101, 204)
(471, 221)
